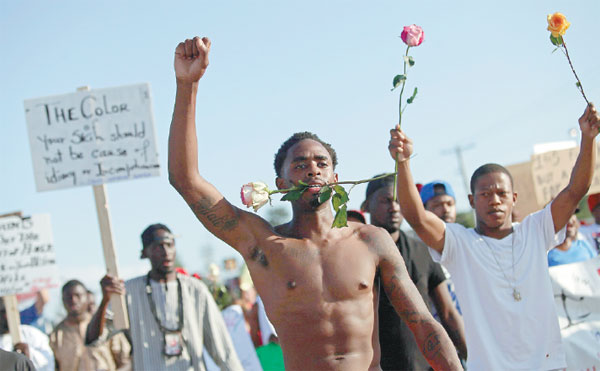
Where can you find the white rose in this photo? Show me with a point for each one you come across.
(255, 195)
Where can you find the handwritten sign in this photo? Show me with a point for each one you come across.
(27, 259)
(576, 289)
(92, 137)
(551, 173)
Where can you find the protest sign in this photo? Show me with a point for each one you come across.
(576, 289)
(92, 137)
(523, 186)
(551, 173)
(27, 258)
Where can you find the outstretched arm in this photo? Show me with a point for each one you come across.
(430, 336)
(565, 203)
(209, 205)
(427, 225)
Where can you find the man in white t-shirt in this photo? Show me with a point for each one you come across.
(500, 269)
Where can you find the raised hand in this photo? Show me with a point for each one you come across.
(589, 122)
(400, 145)
(191, 59)
(111, 285)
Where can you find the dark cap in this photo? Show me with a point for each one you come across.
(148, 236)
(375, 185)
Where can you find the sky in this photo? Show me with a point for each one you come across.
(487, 78)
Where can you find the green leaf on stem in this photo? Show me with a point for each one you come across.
(399, 79)
(341, 218)
(408, 59)
(293, 195)
(578, 84)
(325, 194)
(336, 201)
(342, 192)
(412, 98)
(558, 41)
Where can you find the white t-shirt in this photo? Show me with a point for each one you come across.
(502, 333)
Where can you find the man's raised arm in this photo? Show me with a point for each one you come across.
(565, 203)
(427, 225)
(430, 336)
(209, 205)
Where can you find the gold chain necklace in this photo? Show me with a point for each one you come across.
(512, 284)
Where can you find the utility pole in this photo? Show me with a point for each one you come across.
(458, 151)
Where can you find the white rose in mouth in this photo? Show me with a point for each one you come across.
(255, 195)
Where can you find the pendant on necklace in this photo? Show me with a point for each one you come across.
(516, 295)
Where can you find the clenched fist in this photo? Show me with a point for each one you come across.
(191, 59)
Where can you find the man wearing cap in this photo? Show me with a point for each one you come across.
(592, 232)
(398, 348)
(171, 316)
(438, 197)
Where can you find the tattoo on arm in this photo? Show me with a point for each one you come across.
(432, 345)
(224, 222)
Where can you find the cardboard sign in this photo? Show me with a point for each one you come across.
(551, 173)
(92, 137)
(526, 198)
(576, 288)
(27, 258)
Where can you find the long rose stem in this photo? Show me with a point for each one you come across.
(354, 182)
(400, 124)
(574, 73)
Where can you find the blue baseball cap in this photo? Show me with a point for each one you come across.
(436, 188)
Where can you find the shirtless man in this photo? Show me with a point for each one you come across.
(316, 281)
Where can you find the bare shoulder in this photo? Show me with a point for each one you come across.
(377, 239)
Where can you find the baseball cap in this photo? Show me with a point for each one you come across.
(436, 188)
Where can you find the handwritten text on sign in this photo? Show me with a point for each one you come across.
(92, 137)
(551, 172)
(27, 258)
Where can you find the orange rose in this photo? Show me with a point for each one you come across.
(557, 24)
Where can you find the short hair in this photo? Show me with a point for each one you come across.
(297, 137)
(148, 233)
(73, 283)
(375, 185)
(488, 169)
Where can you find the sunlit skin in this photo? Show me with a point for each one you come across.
(443, 206)
(493, 200)
(316, 282)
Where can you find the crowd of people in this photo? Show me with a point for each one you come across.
(367, 296)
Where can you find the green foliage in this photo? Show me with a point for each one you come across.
(325, 194)
(412, 98)
(409, 60)
(398, 80)
(558, 41)
(341, 217)
(293, 195)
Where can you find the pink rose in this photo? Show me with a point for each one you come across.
(255, 195)
(412, 35)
